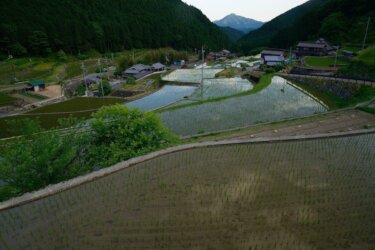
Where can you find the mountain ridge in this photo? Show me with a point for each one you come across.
(240, 23)
(339, 21)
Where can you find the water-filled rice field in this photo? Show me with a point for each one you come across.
(312, 194)
(80, 107)
(278, 101)
(213, 88)
(190, 75)
(165, 96)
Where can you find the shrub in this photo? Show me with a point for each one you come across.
(130, 80)
(42, 157)
(35, 161)
(104, 88)
(120, 133)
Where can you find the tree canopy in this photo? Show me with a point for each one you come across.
(74, 26)
(339, 21)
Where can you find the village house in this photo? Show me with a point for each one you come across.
(156, 67)
(212, 56)
(328, 47)
(92, 79)
(225, 53)
(273, 60)
(318, 48)
(138, 71)
(272, 57)
(36, 86)
(311, 49)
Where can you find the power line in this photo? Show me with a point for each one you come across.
(368, 26)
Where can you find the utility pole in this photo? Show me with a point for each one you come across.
(202, 71)
(10, 58)
(84, 77)
(337, 51)
(101, 80)
(368, 26)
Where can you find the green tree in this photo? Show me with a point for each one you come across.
(120, 133)
(334, 27)
(38, 43)
(35, 161)
(130, 81)
(104, 88)
(61, 55)
(17, 49)
(24, 126)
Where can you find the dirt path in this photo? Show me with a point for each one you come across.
(51, 91)
(335, 122)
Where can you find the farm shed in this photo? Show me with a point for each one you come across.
(36, 86)
(158, 67)
(273, 60)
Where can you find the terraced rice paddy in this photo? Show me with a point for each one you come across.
(163, 97)
(278, 101)
(81, 108)
(312, 194)
(6, 100)
(213, 88)
(190, 75)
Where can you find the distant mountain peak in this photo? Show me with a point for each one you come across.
(240, 23)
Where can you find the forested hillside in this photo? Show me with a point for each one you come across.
(339, 21)
(40, 26)
(233, 34)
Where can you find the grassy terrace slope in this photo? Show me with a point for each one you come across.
(312, 194)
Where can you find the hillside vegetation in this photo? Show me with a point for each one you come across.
(41, 26)
(362, 66)
(233, 34)
(339, 21)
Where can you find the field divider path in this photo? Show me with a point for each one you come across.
(63, 186)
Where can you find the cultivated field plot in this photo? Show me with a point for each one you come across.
(167, 95)
(222, 87)
(278, 101)
(190, 75)
(312, 194)
(80, 107)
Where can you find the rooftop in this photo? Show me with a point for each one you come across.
(273, 52)
(311, 45)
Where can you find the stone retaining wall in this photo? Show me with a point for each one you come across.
(341, 87)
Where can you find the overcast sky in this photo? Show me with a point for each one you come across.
(261, 10)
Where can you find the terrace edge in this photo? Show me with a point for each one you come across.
(63, 186)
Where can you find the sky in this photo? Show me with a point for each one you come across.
(261, 10)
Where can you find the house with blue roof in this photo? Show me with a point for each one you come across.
(36, 86)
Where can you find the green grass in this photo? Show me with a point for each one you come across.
(264, 82)
(34, 95)
(228, 73)
(6, 99)
(367, 109)
(367, 55)
(80, 108)
(363, 94)
(323, 62)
